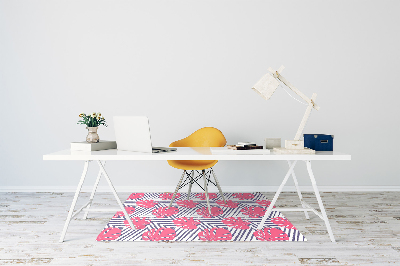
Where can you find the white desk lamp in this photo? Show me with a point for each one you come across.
(266, 86)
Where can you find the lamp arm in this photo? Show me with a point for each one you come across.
(305, 117)
(293, 88)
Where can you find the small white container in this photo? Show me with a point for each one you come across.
(294, 144)
(271, 143)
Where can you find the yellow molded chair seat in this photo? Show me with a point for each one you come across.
(204, 137)
(192, 165)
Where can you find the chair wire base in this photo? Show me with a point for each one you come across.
(194, 176)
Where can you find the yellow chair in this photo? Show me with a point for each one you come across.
(204, 137)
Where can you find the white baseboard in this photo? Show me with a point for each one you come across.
(195, 189)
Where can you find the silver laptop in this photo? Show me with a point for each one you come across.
(133, 134)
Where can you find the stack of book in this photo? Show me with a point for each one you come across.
(98, 146)
(240, 148)
(245, 146)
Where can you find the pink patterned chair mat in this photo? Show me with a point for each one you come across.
(189, 220)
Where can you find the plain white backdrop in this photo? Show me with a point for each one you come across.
(191, 64)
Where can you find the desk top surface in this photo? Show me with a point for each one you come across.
(186, 153)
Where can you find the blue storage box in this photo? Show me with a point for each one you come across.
(318, 142)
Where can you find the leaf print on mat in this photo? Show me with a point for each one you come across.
(146, 203)
(237, 223)
(108, 234)
(136, 196)
(271, 234)
(160, 234)
(138, 222)
(215, 234)
(283, 222)
(264, 203)
(187, 203)
(202, 196)
(186, 223)
(253, 212)
(120, 214)
(215, 211)
(243, 196)
(165, 212)
(167, 196)
(229, 204)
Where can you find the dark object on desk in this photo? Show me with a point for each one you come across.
(244, 144)
(250, 147)
(162, 149)
(318, 142)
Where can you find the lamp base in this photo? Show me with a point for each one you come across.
(293, 151)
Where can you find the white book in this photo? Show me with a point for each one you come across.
(86, 146)
(225, 150)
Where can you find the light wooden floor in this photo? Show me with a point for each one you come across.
(366, 227)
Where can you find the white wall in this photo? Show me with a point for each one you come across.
(190, 64)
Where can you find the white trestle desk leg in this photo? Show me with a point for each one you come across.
(71, 210)
(321, 205)
(93, 192)
(177, 188)
(206, 190)
(190, 184)
(218, 186)
(116, 195)
(298, 191)
(269, 210)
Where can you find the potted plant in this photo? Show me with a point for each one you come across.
(92, 123)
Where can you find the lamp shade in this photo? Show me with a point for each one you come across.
(266, 86)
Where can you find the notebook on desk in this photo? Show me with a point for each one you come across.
(133, 134)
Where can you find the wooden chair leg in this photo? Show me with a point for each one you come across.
(206, 190)
(177, 188)
(218, 186)
(190, 184)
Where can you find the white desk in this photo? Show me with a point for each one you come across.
(194, 154)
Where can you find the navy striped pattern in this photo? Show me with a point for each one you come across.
(153, 209)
